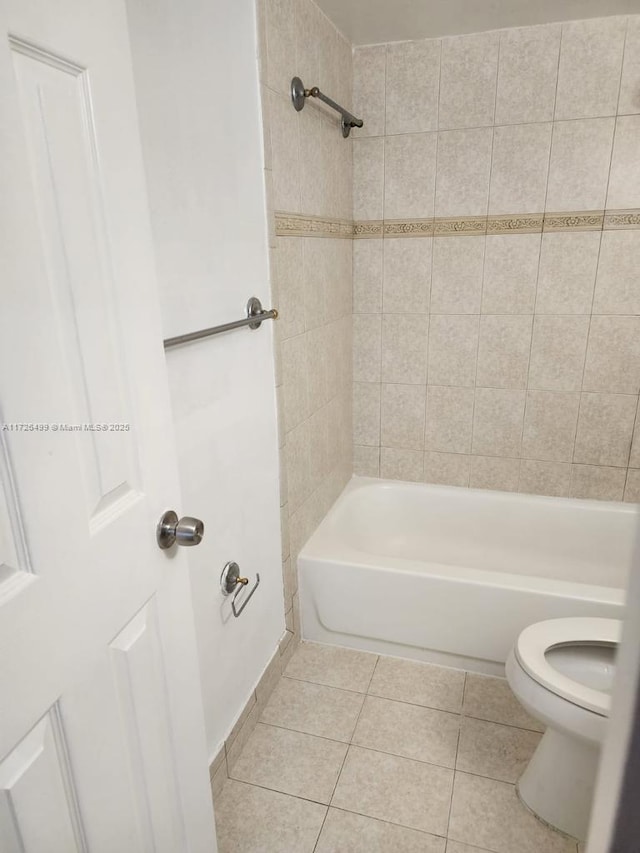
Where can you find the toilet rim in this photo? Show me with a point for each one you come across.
(536, 640)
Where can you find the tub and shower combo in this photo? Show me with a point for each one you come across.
(452, 576)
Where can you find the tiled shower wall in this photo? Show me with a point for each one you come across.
(497, 260)
(309, 187)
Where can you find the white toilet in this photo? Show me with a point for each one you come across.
(562, 672)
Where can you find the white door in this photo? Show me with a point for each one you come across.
(101, 731)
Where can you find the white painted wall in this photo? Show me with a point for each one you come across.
(197, 81)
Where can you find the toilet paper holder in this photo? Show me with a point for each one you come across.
(230, 580)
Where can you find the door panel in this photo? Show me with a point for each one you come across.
(38, 809)
(98, 669)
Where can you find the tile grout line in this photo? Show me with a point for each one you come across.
(346, 754)
(593, 295)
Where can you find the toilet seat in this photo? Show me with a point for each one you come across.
(536, 640)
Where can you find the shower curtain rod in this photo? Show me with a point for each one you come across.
(299, 94)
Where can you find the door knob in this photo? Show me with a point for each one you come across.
(184, 531)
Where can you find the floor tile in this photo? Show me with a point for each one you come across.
(344, 832)
(408, 730)
(457, 847)
(290, 762)
(394, 789)
(489, 749)
(253, 820)
(489, 698)
(314, 709)
(418, 683)
(332, 666)
(488, 813)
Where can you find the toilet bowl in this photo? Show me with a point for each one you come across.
(562, 672)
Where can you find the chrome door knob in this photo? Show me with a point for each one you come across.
(183, 531)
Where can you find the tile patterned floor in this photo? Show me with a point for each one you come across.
(357, 753)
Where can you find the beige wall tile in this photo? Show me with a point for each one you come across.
(579, 167)
(597, 483)
(527, 74)
(404, 348)
(319, 361)
(624, 180)
(558, 353)
(567, 276)
(453, 349)
(617, 282)
(630, 85)
(366, 461)
(413, 78)
(545, 478)
(456, 285)
(634, 459)
(346, 832)
(366, 413)
(280, 22)
(447, 469)
(308, 44)
(401, 464)
(613, 355)
(605, 428)
(490, 472)
(510, 274)
(297, 451)
(294, 371)
(368, 178)
(632, 488)
(367, 276)
(289, 279)
(449, 419)
(463, 170)
(503, 352)
(550, 422)
(409, 175)
(402, 416)
(320, 272)
(285, 153)
(519, 168)
(407, 275)
(497, 422)
(590, 68)
(468, 80)
(367, 347)
(369, 89)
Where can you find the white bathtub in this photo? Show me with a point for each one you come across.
(452, 575)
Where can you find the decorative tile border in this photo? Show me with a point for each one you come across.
(368, 228)
(587, 220)
(530, 223)
(465, 225)
(299, 225)
(408, 227)
(621, 219)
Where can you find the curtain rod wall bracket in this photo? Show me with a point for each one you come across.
(299, 94)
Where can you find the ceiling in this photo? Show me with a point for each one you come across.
(372, 21)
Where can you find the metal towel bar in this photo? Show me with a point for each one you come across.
(255, 315)
(299, 93)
